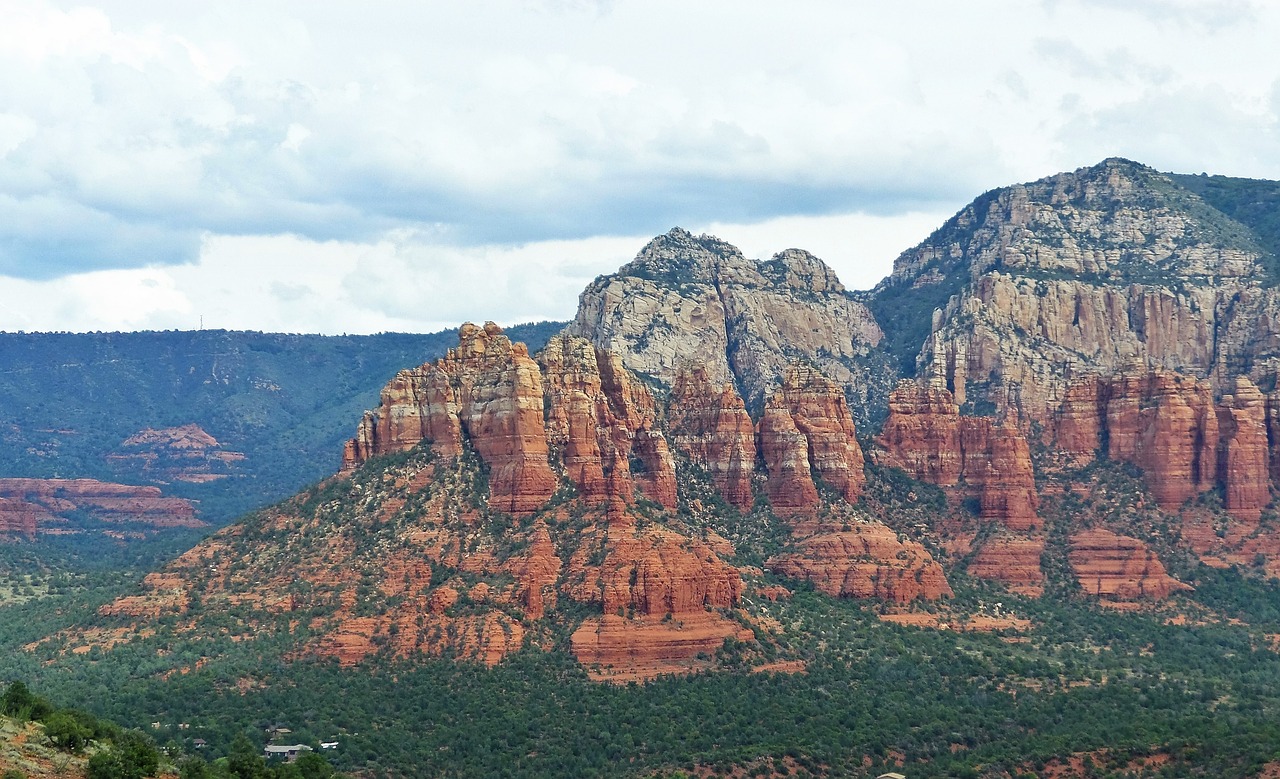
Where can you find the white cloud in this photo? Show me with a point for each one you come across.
(407, 282)
(859, 247)
(130, 132)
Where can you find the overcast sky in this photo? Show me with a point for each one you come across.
(358, 167)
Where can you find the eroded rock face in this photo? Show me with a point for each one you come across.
(806, 430)
(417, 404)
(786, 458)
(1013, 559)
(868, 560)
(1169, 426)
(1166, 425)
(599, 417)
(1244, 451)
(463, 578)
(618, 649)
(709, 422)
(1108, 269)
(927, 437)
(500, 407)
(186, 453)
(489, 390)
(28, 506)
(696, 299)
(1119, 568)
(578, 400)
(18, 517)
(657, 573)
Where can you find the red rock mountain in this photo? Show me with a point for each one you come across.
(533, 482)
(1105, 315)
(1085, 368)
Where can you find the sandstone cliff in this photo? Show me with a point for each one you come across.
(601, 419)
(487, 389)
(1014, 559)
(806, 431)
(1169, 425)
(1119, 568)
(415, 556)
(696, 299)
(1091, 271)
(1099, 317)
(926, 436)
(710, 423)
(864, 559)
(29, 506)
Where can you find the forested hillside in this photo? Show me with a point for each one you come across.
(278, 406)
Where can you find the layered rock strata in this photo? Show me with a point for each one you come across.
(659, 592)
(29, 505)
(1244, 451)
(709, 422)
(806, 431)
(489, 390)
(577, 400)
(1013, 559)
(926, 436)
(1093, 270)
(186, 453)
(1169, 426)
(1117, 567)
(689, 298)
(601, 419)
(866, 560)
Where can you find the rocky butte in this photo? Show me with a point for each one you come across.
(1071, 384)
(696, 299)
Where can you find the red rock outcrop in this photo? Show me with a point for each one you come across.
(489, 390)
(1117, 567)
(623, 650)
(417, 404)
(655, 588)
(807, 430)
(186, 453)
(662, 572)
(1012, 559)
(500, 407)
(1273, 434)
(1243, 455)
(21, 518)
(1078, 422)
(1168, 425)
(926, 436)
(599, 417)
(868, 560)
(922, 434)
(1008, 487)
(536, 571)
(785, 451)
(712, 426)
(27, 504)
